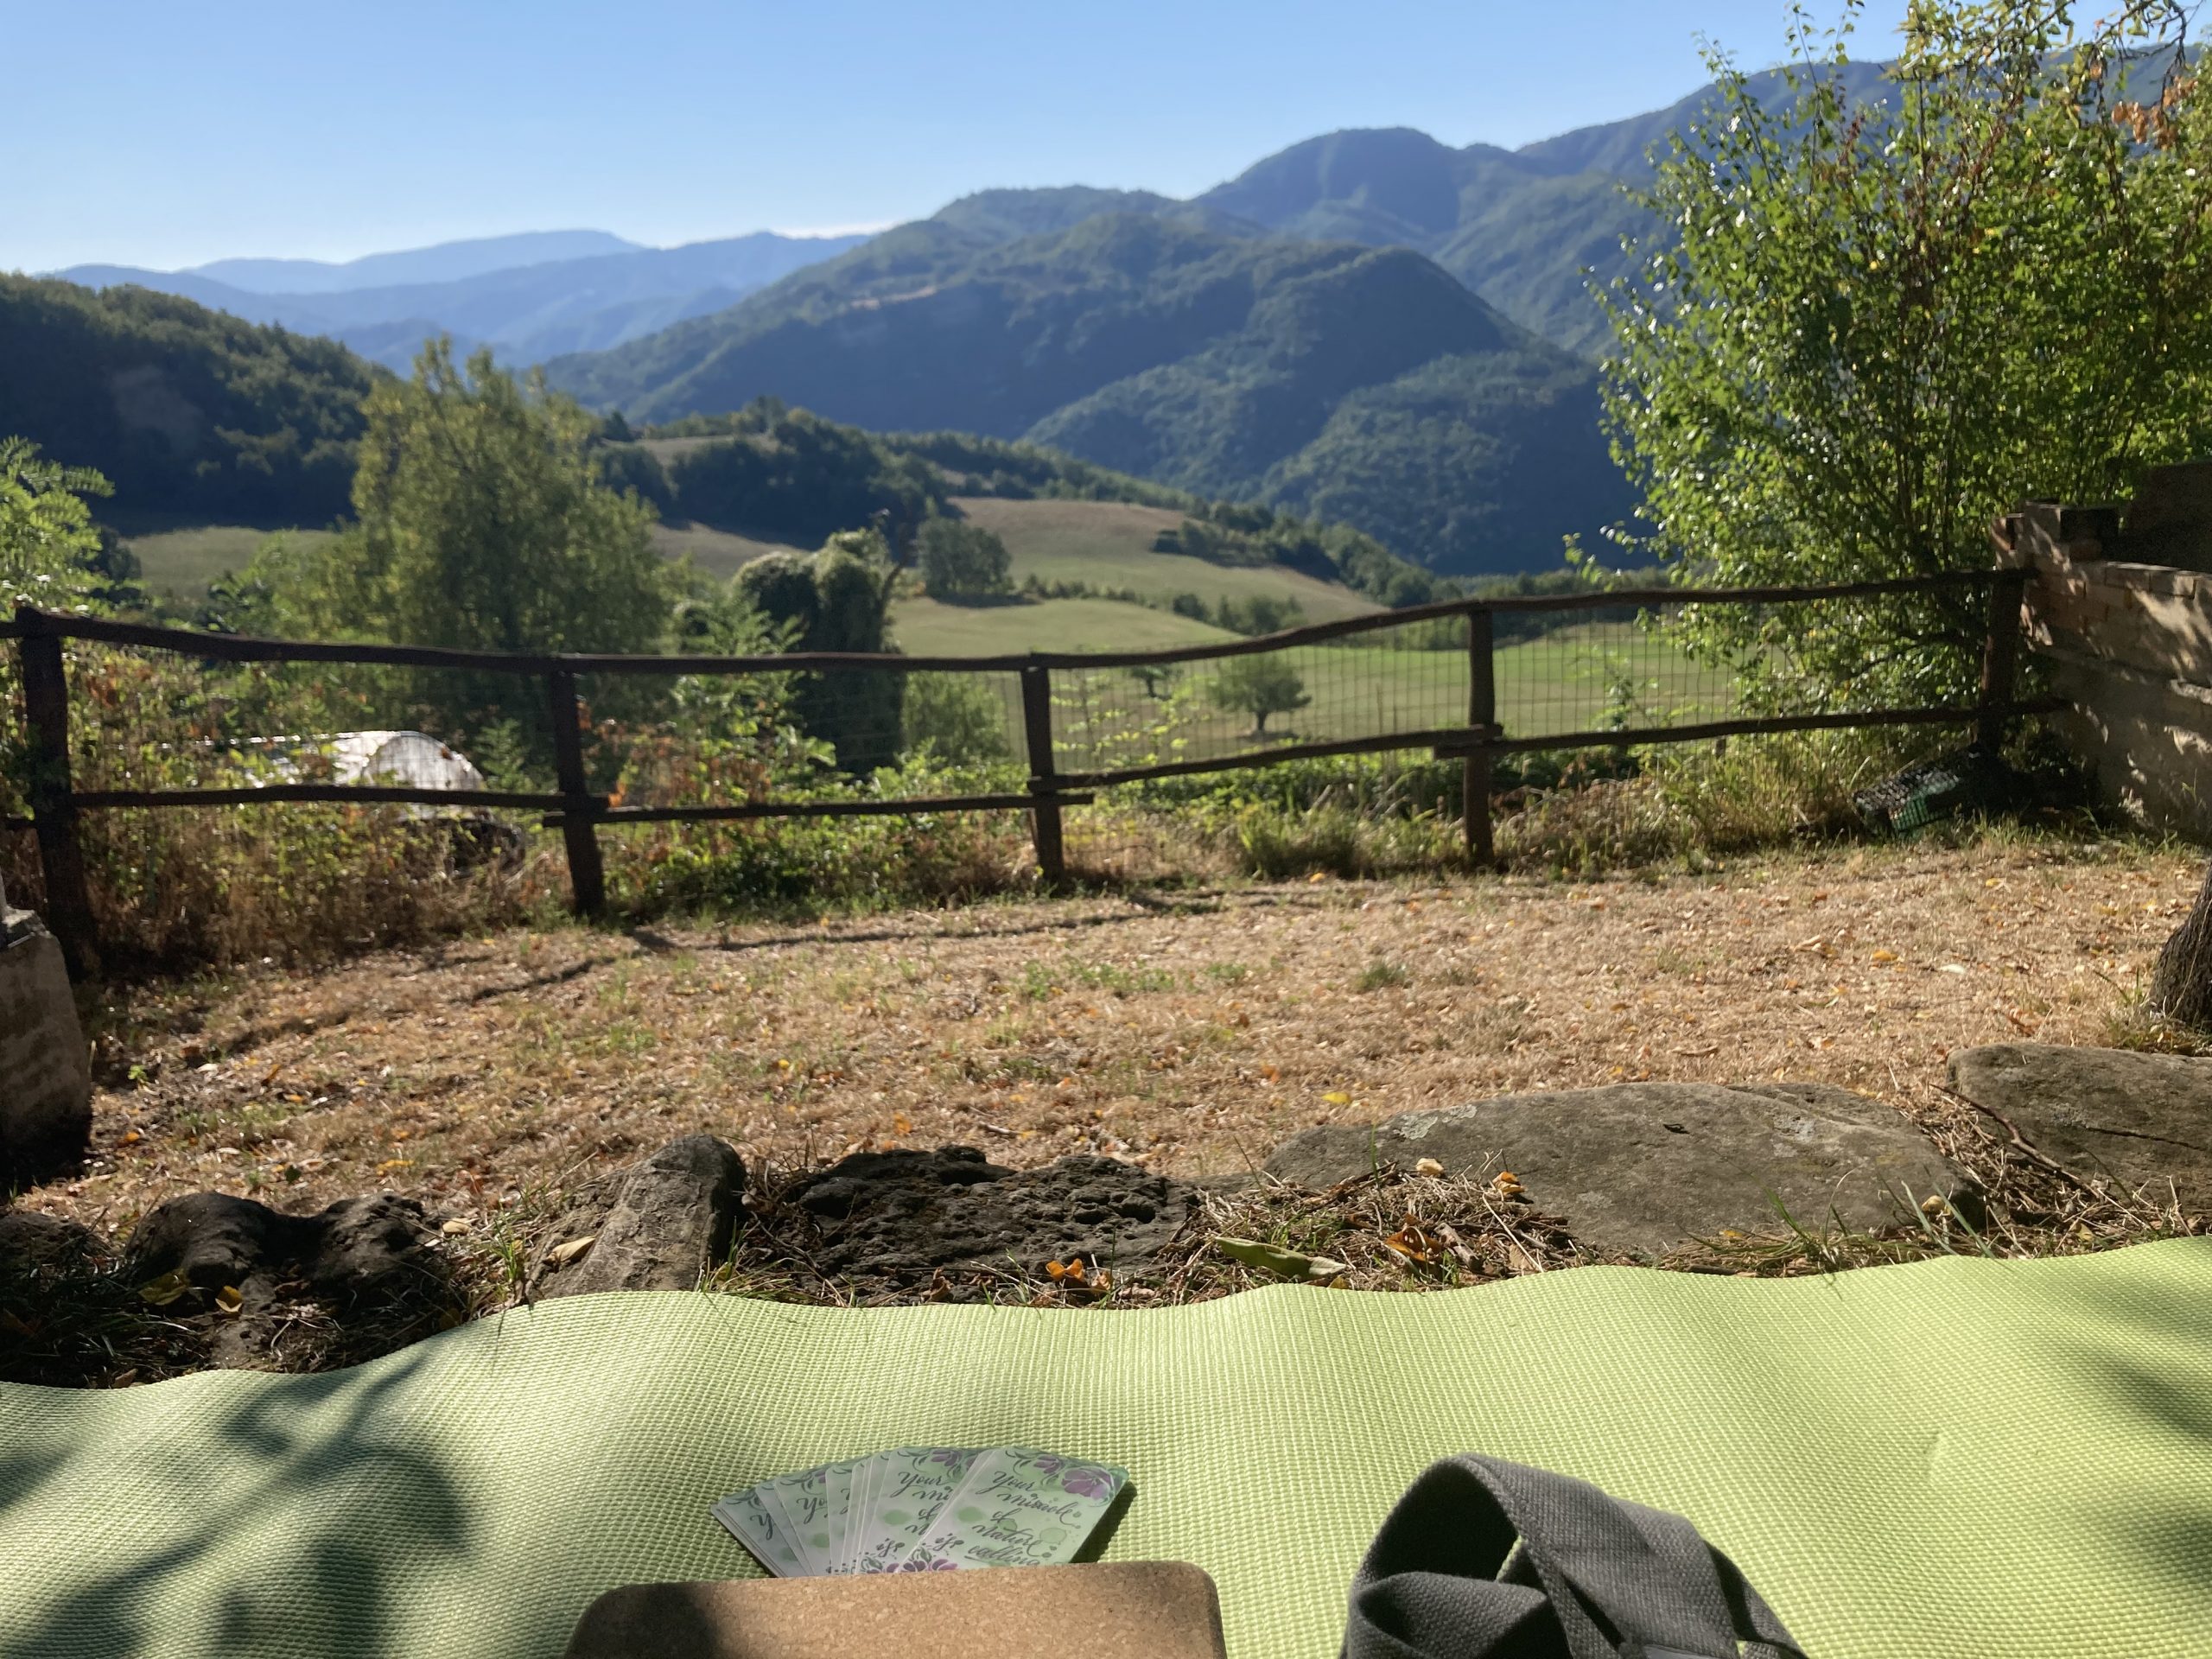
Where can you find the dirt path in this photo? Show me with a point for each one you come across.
(1193, 1031)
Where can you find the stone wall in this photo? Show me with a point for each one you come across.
(2119, 606)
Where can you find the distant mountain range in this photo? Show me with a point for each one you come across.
(1371, 326)
(529, 298)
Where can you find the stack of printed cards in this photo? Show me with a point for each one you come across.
(924, 1508)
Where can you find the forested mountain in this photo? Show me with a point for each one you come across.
(1519, 227)
(525, 311)
(1324, 378)
(186, 411)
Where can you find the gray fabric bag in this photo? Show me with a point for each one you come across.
(1482, 1559)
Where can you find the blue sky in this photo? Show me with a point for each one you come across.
(167, 135)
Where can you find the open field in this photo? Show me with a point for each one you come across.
(718, 553)
(1109, 545)
(925, 627)
(1192, 1033)
(181, 561)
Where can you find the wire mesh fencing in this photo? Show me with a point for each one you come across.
(710, 749)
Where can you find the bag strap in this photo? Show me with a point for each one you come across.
(1621, 1580)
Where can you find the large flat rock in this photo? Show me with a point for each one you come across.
(2134, 1120)
(1643, 1168)
(901, 1216)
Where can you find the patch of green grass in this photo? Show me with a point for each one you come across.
(924, 627)
(1109, 544)
(1382, 976)
(718, 554)
(181, 561)
(1227, 973)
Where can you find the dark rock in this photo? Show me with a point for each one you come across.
(33, 1243)
(374, 1250)
(671, 1222)
(215, 1239)
(2133, 1120)
(46, 1078)
(902, 1216)
(373, 1261)
(1639, 1169)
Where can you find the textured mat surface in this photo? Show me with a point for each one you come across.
(1956, 1458)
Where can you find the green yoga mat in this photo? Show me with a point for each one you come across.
(1949, 1458)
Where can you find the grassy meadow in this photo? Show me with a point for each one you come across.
(179, 560)
(1108, 544)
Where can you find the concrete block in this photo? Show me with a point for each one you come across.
(46, 1078)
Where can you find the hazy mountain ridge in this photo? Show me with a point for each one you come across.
(527, 312)
(443, 261)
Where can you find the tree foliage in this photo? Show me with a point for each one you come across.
(49, 547)
(481, 523)
(837, 599)
(964, 560)
(1860, 329)
(1259, 685)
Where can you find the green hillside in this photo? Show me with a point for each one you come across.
(1527, 229)
(1110, 546)
(186, 411)
(1229, 366)
(923, 627)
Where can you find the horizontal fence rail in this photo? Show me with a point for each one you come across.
(1074, 738)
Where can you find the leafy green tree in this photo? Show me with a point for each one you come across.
(1857, 331)
(837, 599)
(50, 549)
(482, 523)
(955, 718)
(1259, 685)
(965, 561)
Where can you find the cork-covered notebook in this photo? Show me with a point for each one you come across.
(1111, 1610)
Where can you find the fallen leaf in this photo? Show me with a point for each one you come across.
(455, 1229)
(160, 1293)
(230, 1301)
(901, 1124)
(1338, 1097)
(1702, 1050)
(391, 1163)
(1314, 1269)
(1428, 1166)
(568, 1250)
(1885, 955)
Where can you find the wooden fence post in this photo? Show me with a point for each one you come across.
(2000, 655)
(1044, 775)
(1475, 766)
(587, 875)
(53, 808)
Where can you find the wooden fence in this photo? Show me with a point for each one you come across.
(580, 813)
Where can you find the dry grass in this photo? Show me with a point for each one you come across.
(1190, 1033)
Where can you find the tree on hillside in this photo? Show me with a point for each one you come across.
(965, 561)
(1856, 332)
(482, 523)
(1259, 686)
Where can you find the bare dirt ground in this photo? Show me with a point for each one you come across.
(1191, 1031)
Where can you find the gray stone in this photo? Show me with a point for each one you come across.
(1640, 1168)
(46, 1079)
(671, 1223)
(901, 1216)
(2134, 1120)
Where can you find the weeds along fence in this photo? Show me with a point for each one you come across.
(1471, 680)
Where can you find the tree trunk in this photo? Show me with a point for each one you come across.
(2181, 983)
